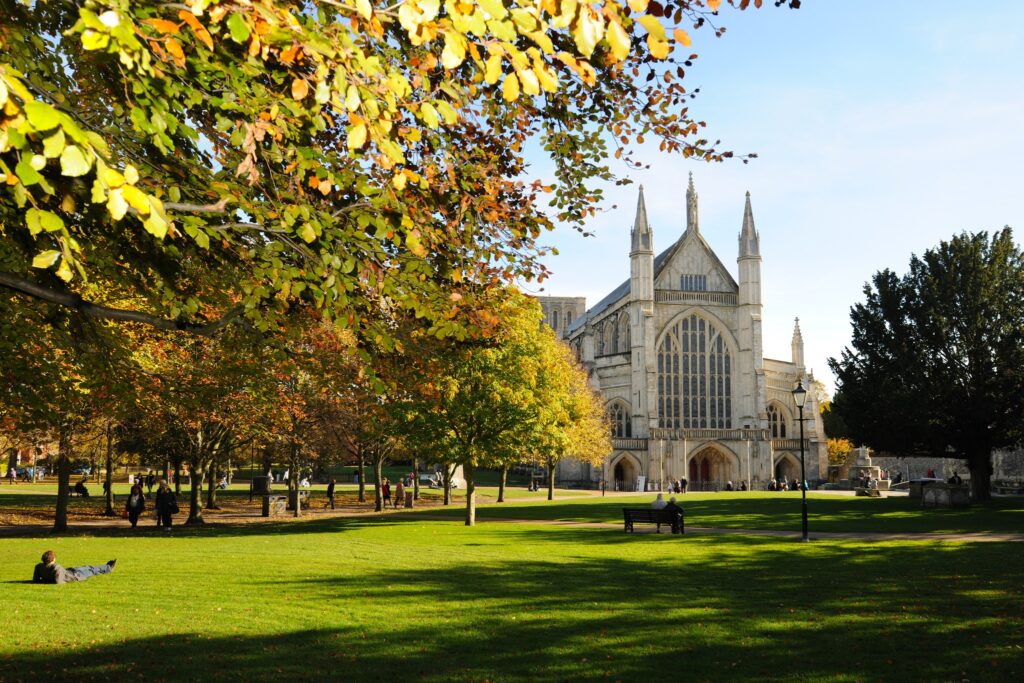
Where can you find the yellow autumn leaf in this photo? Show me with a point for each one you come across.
(714, 4)
(617, 40)
(454, 50)
(659, 48)
(352, 98)
(589, 30)
(364, 9)
(136, 199)
(492, 71)
(510, 88)
(357, 136)
(682, 37)
(399, 181)
(653, 26)
(638, 6)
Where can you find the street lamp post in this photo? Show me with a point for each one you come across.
(800, 396)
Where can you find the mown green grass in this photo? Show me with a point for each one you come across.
(781, 512)
(394, 598)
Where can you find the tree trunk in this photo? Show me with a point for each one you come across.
(378, 476)
(447, 472)
(361, 469)
(211, 490)
(551, 479)
(501, 483)
(195, 506)
(293, 485)
(34, 468)
(415, 478)
(60, 518)
(980, 465)
(468, 470)
(109, 477)
(177, 479)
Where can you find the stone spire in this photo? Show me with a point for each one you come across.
(750, 241)
(691, 207)
(643, 239)
(798, 345)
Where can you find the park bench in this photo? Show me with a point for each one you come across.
(1008, 488)
(651, 516)
(870, 493)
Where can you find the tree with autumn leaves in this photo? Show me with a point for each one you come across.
(214, 160)
(514, 397)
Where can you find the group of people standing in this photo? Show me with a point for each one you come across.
(677, 486)
(165, 505)
(783, 485)
(385, 493)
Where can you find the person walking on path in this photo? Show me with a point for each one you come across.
(166, 506)
(385, 492)
(330, 494)
(150, 480)
(135, 505)
(48, 571)
(399, 493)
(12, 475)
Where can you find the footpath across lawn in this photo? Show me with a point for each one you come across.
(781, 512)
(395, 598)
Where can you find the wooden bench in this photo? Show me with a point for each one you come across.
(652, 516)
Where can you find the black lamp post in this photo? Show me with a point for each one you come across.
(800, 396)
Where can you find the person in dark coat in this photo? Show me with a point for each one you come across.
(48, 571)
(330, 494)
(80, 489)
(135, 505)
(166, 506)
(677, 514)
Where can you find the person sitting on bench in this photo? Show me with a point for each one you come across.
(48, 571)
(676, 512)
(659, 503)
(80, 489)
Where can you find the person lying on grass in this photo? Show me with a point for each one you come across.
(48, 571)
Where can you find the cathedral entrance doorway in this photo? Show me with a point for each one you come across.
(787, 468)
(625, 473)
(709, 469)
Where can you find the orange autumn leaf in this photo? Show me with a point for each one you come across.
(162, 25)
(682, 37)
(200, 31)
(299, 88)
(174, 47)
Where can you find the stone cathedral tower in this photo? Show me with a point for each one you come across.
(676, 352)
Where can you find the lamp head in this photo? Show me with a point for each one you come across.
(800, 394)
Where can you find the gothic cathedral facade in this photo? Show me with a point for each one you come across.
(676, 353)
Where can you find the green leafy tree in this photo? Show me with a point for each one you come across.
(936, 366)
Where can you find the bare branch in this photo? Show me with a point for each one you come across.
(77, 303)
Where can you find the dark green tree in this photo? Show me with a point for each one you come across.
(936, 366)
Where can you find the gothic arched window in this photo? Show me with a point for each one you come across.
(618, 417)
(694, 377)
(611, 334)
(623, 332)
(776, 422)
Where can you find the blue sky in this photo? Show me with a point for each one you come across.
(881, 128)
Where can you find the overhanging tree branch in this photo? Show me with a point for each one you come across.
(77, 303)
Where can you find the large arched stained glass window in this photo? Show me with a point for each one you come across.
(621, 424)
(694, 377)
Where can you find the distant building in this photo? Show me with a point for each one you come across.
(676, 352)
(560, 312)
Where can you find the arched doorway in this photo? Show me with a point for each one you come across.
(710, 469)
(624, 473)
(787, 467)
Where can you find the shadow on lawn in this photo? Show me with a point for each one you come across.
(753, 608)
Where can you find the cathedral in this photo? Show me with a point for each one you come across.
(676, 354)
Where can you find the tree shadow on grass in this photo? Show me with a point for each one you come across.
(705, 608)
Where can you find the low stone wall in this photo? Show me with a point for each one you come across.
(945, 496)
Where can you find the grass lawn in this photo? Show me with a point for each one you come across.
(396, 598)
(781, 511)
